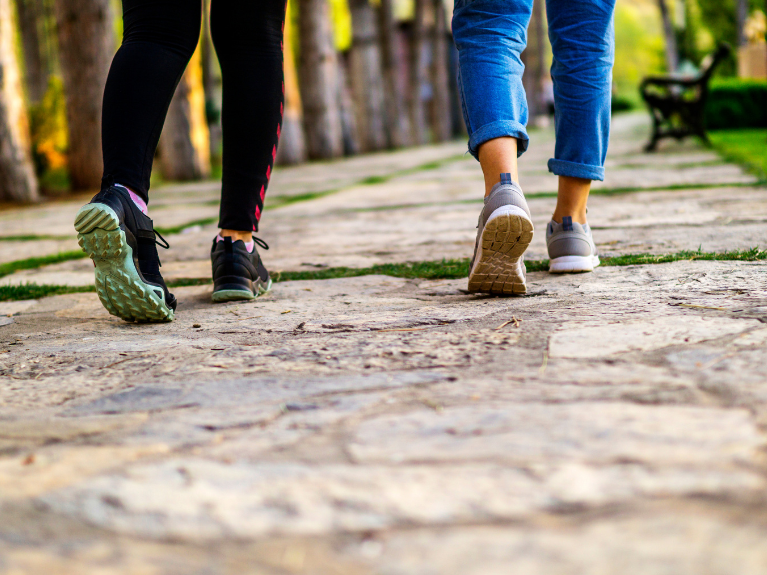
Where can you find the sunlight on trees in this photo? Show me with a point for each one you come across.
(361, 75)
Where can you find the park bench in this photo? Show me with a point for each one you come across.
(677, 104)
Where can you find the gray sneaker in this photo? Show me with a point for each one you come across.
(571, 247)
(504, 231)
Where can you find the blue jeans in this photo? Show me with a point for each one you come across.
(490, 36)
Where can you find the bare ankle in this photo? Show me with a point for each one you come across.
(578, 217)
(237, 235)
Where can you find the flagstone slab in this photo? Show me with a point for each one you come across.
(663, 540)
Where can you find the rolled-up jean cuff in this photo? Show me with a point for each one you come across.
(499, 130)
(575, 170)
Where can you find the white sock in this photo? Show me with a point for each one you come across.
(248, 245)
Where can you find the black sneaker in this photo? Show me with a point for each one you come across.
(121, 241)
(237, 273)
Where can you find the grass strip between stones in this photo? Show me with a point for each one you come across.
(430, 270)
(33, 263)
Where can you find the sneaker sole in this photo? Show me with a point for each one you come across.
(226, 295)
(573, 264)
(505, 238)
(120, 288)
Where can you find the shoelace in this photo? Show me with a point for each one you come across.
(165, 245)
(260, 243)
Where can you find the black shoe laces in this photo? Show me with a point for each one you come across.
(260, 243)
(164, 244)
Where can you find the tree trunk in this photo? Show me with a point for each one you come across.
(210, 83)
(441, 118)
(534, 59)
(86, 36)
(35, 67)
(397, 120)
(349, 129)
(185, 142)
(366, 77)
(418, 73)
(672, 53)
(319, 81)
(741, 17)
(292, 147)
(17, 176)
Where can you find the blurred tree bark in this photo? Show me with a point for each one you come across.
(672, 53)
(366, 77)
(740, 17)
(17, 176)
(418, 72)
(185, 141)
(86, 35)
(210, 82)
(36, 67)
(397, 119)
(319, 81)
(349, 128)
(441, 117)
(292, 147)
(534, 59)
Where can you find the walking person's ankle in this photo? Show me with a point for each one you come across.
(572, 198)
(236, 235)
(498, 156)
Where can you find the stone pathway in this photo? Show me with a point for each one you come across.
(613, 422)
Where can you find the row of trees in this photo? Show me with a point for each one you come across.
(393, 87)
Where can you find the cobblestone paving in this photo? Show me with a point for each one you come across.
(613, 422)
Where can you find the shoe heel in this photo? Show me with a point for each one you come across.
(92, 216)
(120, 288)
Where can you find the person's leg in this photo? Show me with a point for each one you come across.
(159, 38)
(490, 36)
(113, 228)
(582, 40)
(498, 156)
(248, 40)
(572, 196)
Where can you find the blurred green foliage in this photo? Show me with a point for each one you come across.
(638, 47)
(622, 104)
(737, 103)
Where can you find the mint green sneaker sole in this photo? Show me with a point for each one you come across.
(120, 288)
(226, 295)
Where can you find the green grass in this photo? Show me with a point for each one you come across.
(752, 255)
(32, 238)
(35, 291)
(745, 147)
(431, 270)
(33, 263)
(441, 269)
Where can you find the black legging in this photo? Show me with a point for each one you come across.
(159, 39)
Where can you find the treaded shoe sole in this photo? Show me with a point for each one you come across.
(120, 288)
(573, 264)
(498, 268)
(225, 295)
